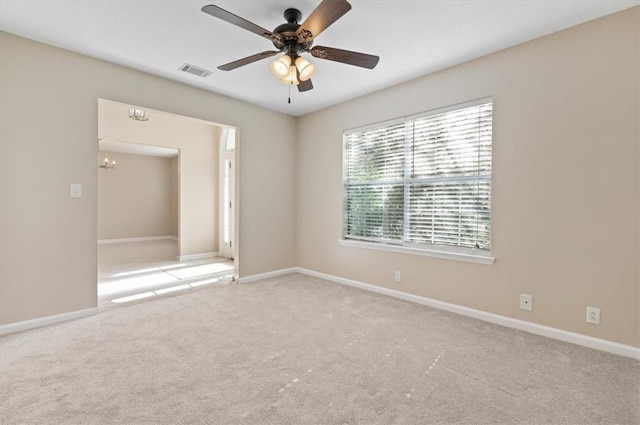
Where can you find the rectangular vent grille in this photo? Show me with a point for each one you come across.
(194, 70)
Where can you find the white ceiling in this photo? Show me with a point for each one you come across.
(412, 38)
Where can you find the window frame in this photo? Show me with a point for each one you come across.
(474, 255)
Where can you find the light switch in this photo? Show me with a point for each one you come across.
(75, 190)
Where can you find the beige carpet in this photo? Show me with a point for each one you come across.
(299, 350)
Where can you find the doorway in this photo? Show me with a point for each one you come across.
(197, 249)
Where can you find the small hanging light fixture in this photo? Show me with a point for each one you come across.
(138, 114)
(106, 164)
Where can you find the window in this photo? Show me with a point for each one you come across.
(423, 181)
(229, 137)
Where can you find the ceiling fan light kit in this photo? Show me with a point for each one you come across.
(293, 40)
(292, 74)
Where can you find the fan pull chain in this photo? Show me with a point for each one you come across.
(290, 83)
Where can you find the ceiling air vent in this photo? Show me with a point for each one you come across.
(192, 69)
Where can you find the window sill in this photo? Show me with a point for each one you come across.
(447, 255)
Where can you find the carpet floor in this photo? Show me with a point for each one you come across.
(301, 350)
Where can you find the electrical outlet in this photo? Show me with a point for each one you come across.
(526, 302)
(397, 276)
(593, 315)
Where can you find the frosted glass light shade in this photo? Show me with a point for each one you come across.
(291, 77)
(305, 68)
(280, 66)
(138, 114)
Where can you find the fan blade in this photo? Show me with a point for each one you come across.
(242, 23)
(327, 12)
(305, 86)
(345, 56)
(246, 61)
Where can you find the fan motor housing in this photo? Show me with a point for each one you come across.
(288, 32)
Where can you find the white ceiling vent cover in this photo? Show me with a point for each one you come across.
(192, 69)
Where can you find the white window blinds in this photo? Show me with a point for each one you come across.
(422, 181)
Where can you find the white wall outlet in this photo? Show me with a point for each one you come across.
(397, 276)
(75, 190)
(526, 302)
(593, 315)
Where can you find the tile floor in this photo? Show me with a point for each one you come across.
(137, 271)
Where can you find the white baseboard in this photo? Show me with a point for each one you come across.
(559, 334)
(255, 277)
(197, 256)
(547, 331)
(46, 321)
(144, 239)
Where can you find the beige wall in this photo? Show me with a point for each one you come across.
(135, 199)
(48, 133)
(198, 142)
(565, 202)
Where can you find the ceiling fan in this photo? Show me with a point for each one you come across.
(293, 39)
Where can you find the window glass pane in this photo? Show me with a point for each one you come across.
(231, 139)
(454, 143)
(376, 155)
(452, 214)
(226, 237)
(375, 211)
